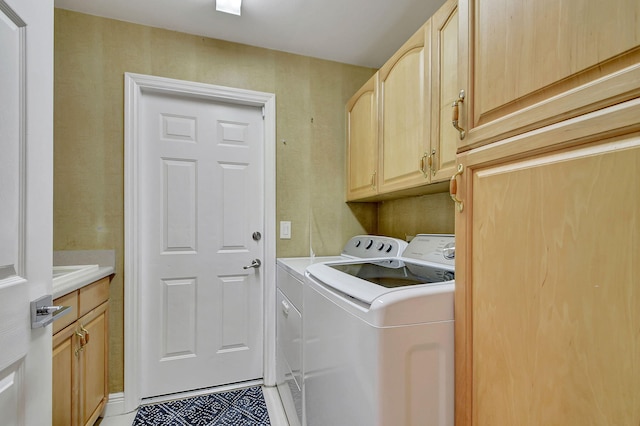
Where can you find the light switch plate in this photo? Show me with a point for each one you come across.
(285, 230)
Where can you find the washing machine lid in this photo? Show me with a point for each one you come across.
(367, 280)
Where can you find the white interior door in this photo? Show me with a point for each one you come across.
(201, 199)
(26, 90)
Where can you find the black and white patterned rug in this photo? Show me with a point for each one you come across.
(242, 407)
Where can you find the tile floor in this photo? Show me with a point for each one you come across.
(271, 397)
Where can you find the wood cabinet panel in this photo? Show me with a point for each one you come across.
(362, 141)
(404, 113)
(444, 91)
(547, 302)
(93, 364)
(527, 64)
(93, 295)
(65, 380)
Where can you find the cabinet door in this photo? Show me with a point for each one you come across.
(65, 377)
(94, 364)
(404, 114)
(527, 64)
(444, 91)
(547, 300)
(362, 141)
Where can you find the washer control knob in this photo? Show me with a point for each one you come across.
(358, 242)
(449, 251)
(389, 248)
(369, 244)
(380, 246)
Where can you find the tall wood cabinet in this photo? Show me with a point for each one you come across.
(528, 64)
(80, 356)
(547, 240)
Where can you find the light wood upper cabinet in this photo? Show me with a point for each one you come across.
(404, 114)
(441, 161)
(362, 141)
(414, 144)
(527, 64)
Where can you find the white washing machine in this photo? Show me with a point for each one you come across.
(289, 311)
(378, 338)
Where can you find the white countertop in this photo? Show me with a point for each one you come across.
(63, 285)
(297, 265)
(74, 269)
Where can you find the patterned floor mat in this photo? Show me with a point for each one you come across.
(242, 407)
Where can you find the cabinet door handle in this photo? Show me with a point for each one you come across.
(454, 119)
(453, 188)
(86, 334)
(373, 180)
(423, 164)
(431, 160)
(83, 342)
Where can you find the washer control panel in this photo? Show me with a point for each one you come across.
(438, 248)
(369, 246)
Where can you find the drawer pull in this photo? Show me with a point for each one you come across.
(285, 308)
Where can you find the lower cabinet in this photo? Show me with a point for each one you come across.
(547, 300)
(80, 357)
(289, 344)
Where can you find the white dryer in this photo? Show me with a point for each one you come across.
(289, 313)
(378, 338)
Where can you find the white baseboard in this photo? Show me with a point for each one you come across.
(115, 405)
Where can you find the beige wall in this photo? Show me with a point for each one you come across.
(426, 214)
(91, 56)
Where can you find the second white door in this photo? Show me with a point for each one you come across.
(201, 200)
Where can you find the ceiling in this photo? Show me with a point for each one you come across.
(358, 32)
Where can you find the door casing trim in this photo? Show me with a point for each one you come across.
(134, 86)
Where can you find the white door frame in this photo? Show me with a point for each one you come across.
(135, 86)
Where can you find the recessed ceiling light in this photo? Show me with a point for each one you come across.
(229, 6)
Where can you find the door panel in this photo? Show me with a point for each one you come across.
(202, 198)
(26, 51)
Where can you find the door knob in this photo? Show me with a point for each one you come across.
(255, 263)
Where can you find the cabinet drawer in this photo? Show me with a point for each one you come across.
(93, 295)
(289, 336)
(70, 299)
(290, 286)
